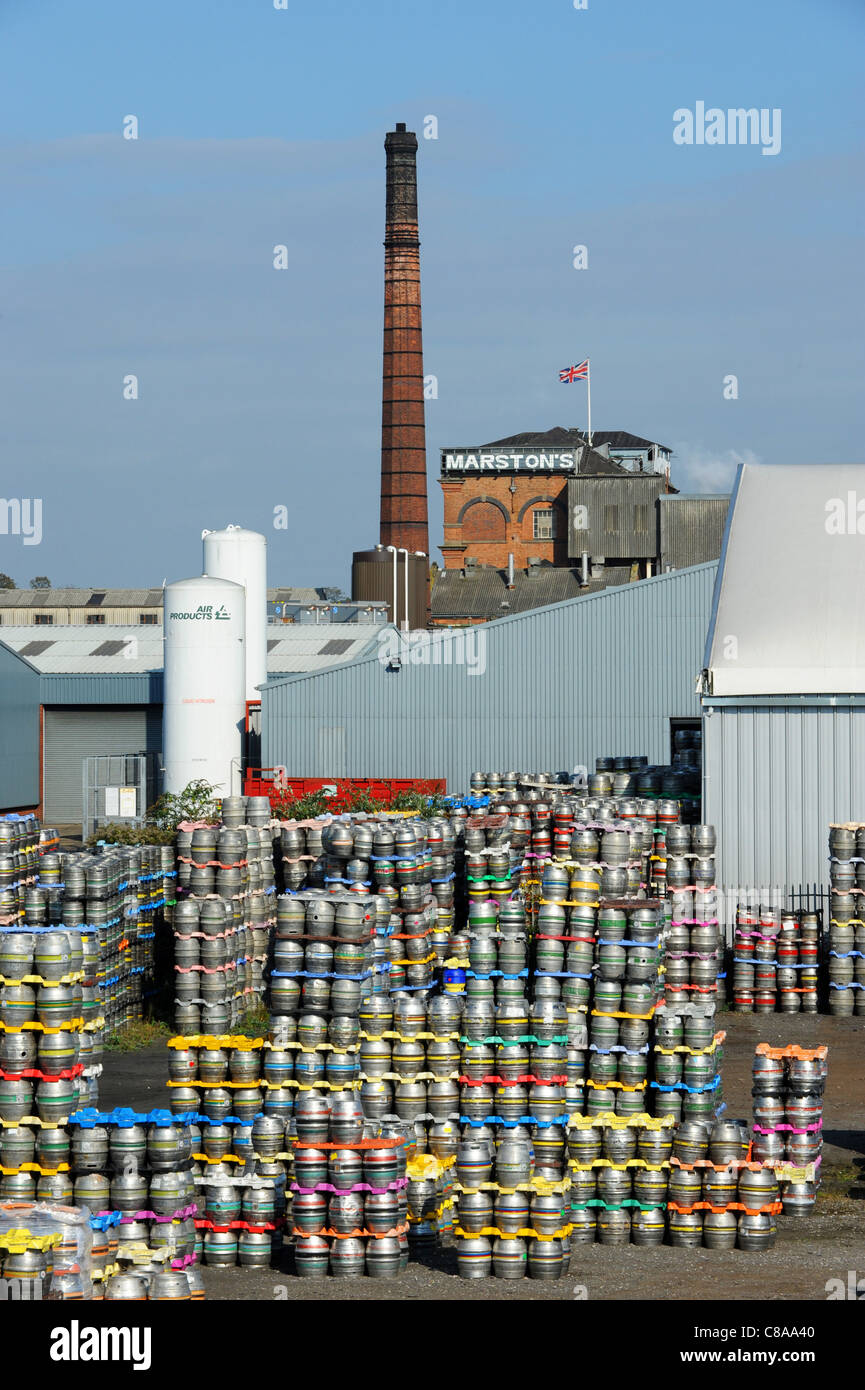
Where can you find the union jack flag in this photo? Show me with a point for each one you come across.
(578, 373)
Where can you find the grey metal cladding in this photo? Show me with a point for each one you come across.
(547, 690)
(690, 530)
(629, 532)
(776, 772)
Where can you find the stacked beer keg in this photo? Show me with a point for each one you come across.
(788, 1091)
(846, 939)
(695, 968)
(513, 1218)
(687, 1058)
(134, 1173)
(45, 1251)
(383, 854)
(410, 1062)
(42, 1078)
(717, 1196)
(323, 954)
(220, 1086)
(113, 898)
(23, 841)
(775, 960)
(222, 922)
(349, 1202)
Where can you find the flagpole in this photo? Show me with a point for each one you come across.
(589, 395)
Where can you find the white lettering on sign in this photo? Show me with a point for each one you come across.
(509, 463)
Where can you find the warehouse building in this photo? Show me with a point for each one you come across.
(69, 694)
(609, 672)
(784, 677)
(138, 607)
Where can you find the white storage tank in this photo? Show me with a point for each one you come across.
(204, 700)
(241, 556)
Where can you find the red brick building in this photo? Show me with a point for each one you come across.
(510, 498)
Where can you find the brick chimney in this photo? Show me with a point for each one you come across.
(403, 436)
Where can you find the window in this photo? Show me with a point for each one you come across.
(641, 518)
(611, 519)
(544, 524)
(148, 618)
(44, 619)
(96, 617)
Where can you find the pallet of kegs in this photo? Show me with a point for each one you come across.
(23, 842)
(618, 1168)
(515, 1072)
(775, 960)
(718, 1195)
(788, 1087)
(349, 1204)
(241, 1215)
(44, 1048)
(512, 1213)
(241, 1173)
(117, 896)
(45, 1251)
(687, 1057)
(134, 1172)
(223, 923)
(323, 954)
(410, 1062)
(363, 853)
(846, 936)
(695, 967)
(140, 1285)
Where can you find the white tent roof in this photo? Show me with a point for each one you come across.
(788, 615)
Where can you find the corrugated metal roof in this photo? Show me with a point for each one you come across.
(787, 615)
(128, 598)
(74, 649)
(621, 439)
(482, 594)
(547, 689)
(690, 529)
(80, 598)
(81, 649)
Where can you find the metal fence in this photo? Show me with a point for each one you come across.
(117, 787)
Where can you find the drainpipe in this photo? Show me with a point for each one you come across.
(405, 624)
(392, 549)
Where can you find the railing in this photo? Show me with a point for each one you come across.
(275, 784)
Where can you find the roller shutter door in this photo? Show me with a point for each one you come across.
(71, 735)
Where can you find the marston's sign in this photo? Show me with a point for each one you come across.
(517, 461)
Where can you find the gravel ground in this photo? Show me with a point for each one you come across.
(809, 1251)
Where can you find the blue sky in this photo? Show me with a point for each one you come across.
(260, 126)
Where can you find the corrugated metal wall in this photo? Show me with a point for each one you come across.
(620, 538)
(690, 530)
(775, 774)
(19, 732)
(71, 735)
(554, 688)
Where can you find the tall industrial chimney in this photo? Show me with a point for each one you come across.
(403, 437)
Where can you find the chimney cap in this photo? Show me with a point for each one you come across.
(400, 125)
